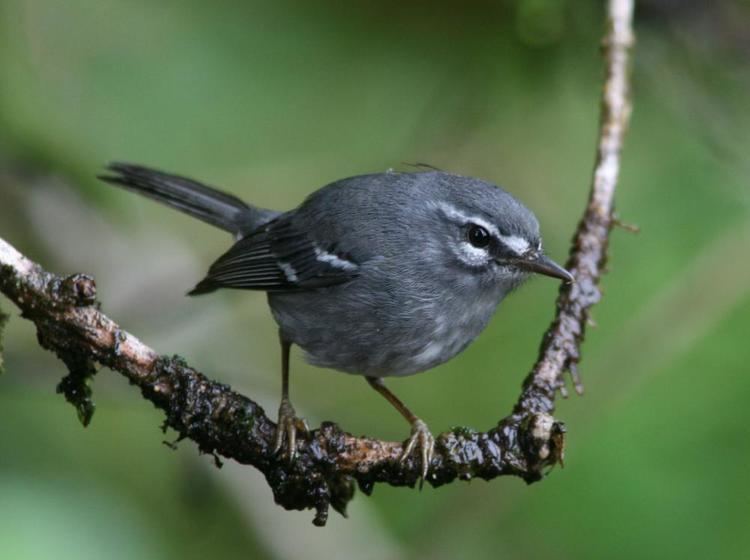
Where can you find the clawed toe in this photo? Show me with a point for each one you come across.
(286, 429)
(420, 438)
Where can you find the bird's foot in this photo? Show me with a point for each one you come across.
(422, 439)
(287, 427)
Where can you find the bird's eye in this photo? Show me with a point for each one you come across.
(478, 236)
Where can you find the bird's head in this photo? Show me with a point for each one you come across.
(486, 233)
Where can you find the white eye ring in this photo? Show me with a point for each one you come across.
(471, 255)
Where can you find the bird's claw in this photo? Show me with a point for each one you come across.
(287, 427)
(422, 438)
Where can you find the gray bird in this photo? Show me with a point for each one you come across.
(380, 275)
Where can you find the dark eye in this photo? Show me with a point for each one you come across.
(478, 236)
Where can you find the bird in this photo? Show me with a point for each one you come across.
(380, 275)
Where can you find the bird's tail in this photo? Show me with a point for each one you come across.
(191, 197)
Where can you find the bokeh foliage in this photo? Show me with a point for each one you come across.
(274, 99)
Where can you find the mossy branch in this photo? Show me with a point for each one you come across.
(330, 461)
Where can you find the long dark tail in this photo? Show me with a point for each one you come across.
(191, 197)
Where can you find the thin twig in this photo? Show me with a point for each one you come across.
(560, 348)
(223, 422)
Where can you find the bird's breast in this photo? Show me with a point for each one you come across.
(454, 324)
(380, 335)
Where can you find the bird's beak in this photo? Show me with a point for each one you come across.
(542, 264)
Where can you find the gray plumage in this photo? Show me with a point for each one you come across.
(214, 207)
(380, 275)
(364, 275)
(413, 303)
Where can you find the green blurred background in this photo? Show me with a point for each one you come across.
(272, 100)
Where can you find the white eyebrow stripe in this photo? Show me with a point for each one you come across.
(453, 213)
(516, 244)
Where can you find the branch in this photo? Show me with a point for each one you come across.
(224, 423)
(560, 349)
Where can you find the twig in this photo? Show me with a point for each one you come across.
(223, 422)
(560, 348)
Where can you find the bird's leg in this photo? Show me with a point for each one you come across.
(288, 422)
(420, 434)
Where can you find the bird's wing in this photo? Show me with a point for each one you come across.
(278, 257)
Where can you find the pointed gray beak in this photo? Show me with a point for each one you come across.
(542, 264)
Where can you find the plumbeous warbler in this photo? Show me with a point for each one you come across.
(379, 275)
